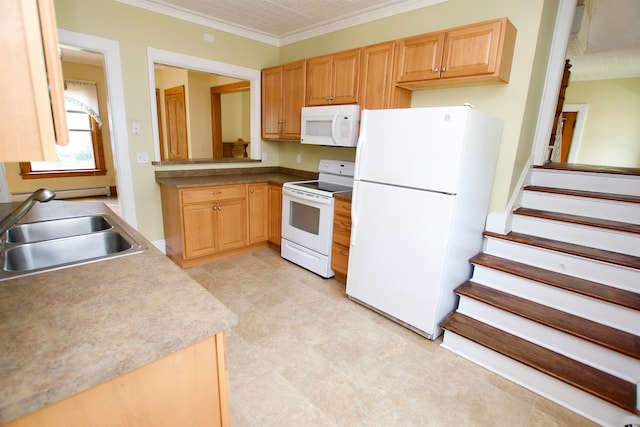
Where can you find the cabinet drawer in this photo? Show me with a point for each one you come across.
(207, 194)
(340, 258)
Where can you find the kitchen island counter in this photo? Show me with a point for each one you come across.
(68, 330)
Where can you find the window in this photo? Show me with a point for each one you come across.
(84, 155)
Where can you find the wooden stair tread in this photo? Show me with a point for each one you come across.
(586, 194)
(605, 386)
(610, 294)
(578, 167)
(611, 257)
(606, 336)
(579, 219)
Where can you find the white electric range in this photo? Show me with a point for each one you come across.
(307, 216)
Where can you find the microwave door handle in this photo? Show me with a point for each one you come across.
(333, 128)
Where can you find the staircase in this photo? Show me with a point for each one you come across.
(554, 304)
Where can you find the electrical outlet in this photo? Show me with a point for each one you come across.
(264, 156)
(135, 128)
(298, 158)
(142, 157)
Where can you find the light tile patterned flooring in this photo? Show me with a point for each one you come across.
(303, 354)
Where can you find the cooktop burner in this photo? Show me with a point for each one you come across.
(324, 186)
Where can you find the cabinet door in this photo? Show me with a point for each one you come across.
(32, 105)
(275, 214)
(293, 93)
(258, 197)
(199, 229)
(472, 50)
(272, 102)
(319, 80)
(345, 76)
(377, 79)
(420, 57)
(231, 224)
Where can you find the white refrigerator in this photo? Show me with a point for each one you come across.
(422, 183)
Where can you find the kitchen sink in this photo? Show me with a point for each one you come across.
(56, 228)
(37, 247)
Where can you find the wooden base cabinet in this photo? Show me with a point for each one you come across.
(187, 388)
(258, 197)
(341, 239)
(208, 223)
(275, 216)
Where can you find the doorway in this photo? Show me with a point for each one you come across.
(116, 109)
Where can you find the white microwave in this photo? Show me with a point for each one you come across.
(335, 125)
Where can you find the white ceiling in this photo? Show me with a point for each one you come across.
(280, 22)
(606, 46)
(608, 42)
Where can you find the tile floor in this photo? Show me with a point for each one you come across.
(303, 354)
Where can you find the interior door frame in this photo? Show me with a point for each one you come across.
(581, 109)
(110, 50)
(175, 59)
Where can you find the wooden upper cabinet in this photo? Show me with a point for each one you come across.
(294, 90)
(473, 54)
(333, 79)
(377, 79)
(32, 106)
(283, 93)
(271, 102)
(420, 57)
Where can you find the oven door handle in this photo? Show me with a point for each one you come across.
(294, 194)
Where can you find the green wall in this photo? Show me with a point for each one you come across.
(516, 103)
(611, 134)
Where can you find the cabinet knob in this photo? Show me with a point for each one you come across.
(251, 190)
(444, 69)
(435, 70)
(215, 192)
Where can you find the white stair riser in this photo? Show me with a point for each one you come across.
(610, 240)
(568, 345)
(584, 268)
(584, 181)
(594, 208)
(599, 311)
(570, 397)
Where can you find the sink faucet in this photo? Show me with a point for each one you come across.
(41, 195)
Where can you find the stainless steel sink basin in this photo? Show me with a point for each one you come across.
(56, 228)
(54, 244)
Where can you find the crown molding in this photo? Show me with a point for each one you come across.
(280, 40)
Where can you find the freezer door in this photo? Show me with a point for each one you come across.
(398, 251)
(412, 147)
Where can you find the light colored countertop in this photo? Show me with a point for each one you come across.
(204, 178)
(64, 331)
